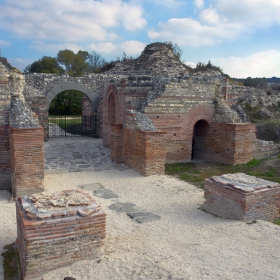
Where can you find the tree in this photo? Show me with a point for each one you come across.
(256, 82)
(66, 58)
(75, 64)
(46, 64)
(95, 62)
(67, 103)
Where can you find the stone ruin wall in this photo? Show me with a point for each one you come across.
(21, 148)
(241, 197)
(56, 229)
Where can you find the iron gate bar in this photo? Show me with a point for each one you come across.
(73, 126)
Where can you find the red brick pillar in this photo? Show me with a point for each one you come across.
(116, 143)
(5, 161)
(145, 151)
(27, 160)
(155, 152)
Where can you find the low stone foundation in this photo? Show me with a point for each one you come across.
(241, 197)
(56, 229)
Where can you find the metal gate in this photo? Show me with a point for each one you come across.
(73, 126)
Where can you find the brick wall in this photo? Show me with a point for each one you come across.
(27, 160)
(5, 105)
(144, 151)
(60, 238)
(5, 161)
(116, 143)
(242, 197)
(226, 143)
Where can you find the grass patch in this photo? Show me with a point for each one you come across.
(277, 222)
(71, 124)
(196, 173)
(11, 263)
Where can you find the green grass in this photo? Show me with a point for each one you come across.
(277, 222)
(196, 173)
(72, 124)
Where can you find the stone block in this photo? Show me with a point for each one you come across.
(242, 197)
(56, 229)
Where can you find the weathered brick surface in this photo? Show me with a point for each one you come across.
(116, 143)
(242, 197)
(27, 160)
(56, 238)
(5, 158)
(144, 151)
(226, 143)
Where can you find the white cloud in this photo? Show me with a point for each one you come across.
(69, 20)
(54, 48)
(132, 47)
(199, 3)
(262, 64)
(190, 32)
(4, 43)
(20, 63)
(252, 13)
(104, 47)
(223, 20)
(190, 64)
(129, 47)
(210, 16)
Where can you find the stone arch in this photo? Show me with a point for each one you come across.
(112, 109)
(72, 86)
(113, 113)
(201, 114)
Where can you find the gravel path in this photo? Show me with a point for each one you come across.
(186, 243)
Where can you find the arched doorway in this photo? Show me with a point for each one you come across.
(112, 108)
(71, 114)
(200, 142)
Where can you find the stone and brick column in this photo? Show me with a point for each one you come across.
(27, 160)
(5, 105)
(56, 229)
(116, 143)
(144, 151)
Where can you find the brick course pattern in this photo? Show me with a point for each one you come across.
(5, 160)
(56, 229)
(242, 197)
(226, 143)
(27, 160)
(144, 151)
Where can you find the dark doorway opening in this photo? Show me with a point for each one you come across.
(200, 140)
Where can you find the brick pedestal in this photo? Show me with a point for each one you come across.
(242, 197)
(144, 151)
(27, 160)
(56, 229)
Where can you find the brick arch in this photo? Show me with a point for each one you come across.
(112, 96)
(200, 112)
(72, 86)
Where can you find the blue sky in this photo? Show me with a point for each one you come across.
(240, 36)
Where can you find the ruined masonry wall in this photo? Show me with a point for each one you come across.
(5, 104)
(242, 197)
(60, 235)
(144, 151)
(227, 143)
(27, 160)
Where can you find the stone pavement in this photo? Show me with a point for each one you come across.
(76, 154)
